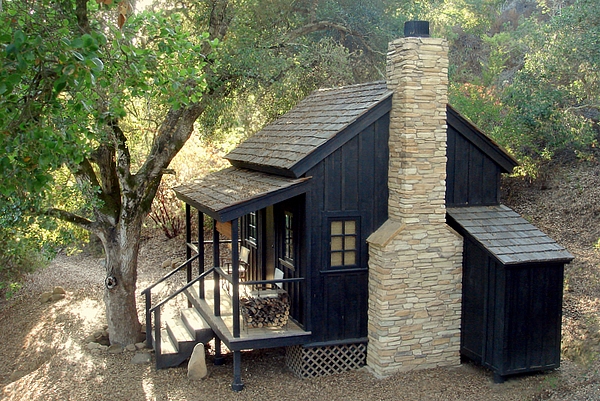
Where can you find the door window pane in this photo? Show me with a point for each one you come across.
(288, 240)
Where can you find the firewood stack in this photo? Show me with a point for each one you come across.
(266, 309)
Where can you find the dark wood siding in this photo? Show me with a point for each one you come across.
(511, 315)
(349, 183)
(473, 178)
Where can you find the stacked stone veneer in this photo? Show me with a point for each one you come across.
(415, 259)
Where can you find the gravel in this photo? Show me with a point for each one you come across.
(45, 355)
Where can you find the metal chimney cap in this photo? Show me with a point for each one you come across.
(416, 29)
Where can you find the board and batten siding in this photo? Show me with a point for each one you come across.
(354, 186)
(511, 314)
(472, 177)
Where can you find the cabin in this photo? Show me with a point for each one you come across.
(365, 227)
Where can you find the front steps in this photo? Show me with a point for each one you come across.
(178, 339)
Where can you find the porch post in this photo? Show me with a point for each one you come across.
(219, 360)
(237, 384)
(216, 263)
(201, 252)
(188, 240)
(235, 261)
(188, 244)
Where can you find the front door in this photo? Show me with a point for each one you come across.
(288, 252)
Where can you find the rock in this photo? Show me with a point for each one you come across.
(115, 349)
(131, 347)
(102, 347)
(90, 339)
(141, 345)
(93, 345)
(167, 263)
(16, 375)
(141, 358)
(103, 341)
(197, 366)
(57, 297)
(59, 290)
(45, 297)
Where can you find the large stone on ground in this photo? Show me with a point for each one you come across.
(197, 366)
(57, 297)
(115, 349)
(45, 297)
(59, 290)
(141, 357)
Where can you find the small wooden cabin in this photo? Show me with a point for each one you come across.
(363, 205)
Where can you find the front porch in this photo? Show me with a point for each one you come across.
(213, 292)
(248, 338)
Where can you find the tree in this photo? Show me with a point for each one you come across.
(537, 87)
(84, 82)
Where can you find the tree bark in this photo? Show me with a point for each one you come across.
(121, 246)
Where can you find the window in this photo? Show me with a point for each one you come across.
(288, 239)
(343, 244)
(252, 231)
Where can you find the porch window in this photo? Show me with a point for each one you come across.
(288, 239)
(343, 243)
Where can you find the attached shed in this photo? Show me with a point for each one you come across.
(512, 291)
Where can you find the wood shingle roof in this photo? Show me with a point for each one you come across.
(507, 235)
(233, 192)
(287, 145)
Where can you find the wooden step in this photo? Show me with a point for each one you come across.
(179, 332)
(197, 325)
(167, 345)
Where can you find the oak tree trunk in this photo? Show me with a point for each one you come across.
(121, 245)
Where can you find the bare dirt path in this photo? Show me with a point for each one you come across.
(44, 355)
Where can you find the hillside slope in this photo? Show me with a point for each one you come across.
(565, 203)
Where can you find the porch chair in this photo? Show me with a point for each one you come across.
(243, 259)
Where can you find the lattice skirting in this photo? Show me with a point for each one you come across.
(322, 361)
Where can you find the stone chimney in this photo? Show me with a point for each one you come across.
(415, 258)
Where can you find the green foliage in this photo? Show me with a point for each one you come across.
(28, 244)
(544, 76)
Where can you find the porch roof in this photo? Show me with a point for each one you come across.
(507, 236)
(233, 192)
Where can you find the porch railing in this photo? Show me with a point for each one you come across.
(156, 310)
(219, 274)
(147, 292)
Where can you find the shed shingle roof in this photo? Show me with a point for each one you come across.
(313, 122)
(507, 235)
(233, 192)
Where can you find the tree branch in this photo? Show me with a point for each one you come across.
(82, 16)
(123, 163)
(584, 106)
(322, 26)
(74, 219)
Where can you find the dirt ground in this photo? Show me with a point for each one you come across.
(44, 355)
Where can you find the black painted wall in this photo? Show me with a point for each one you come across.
(511, 315)
(473, 179)
(349, 183)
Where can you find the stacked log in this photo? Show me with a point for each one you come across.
(266, 310)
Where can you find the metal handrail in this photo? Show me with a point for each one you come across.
(179, 291)
(171, 273)
(228, 277)
(156, 311)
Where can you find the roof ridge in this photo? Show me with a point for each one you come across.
(372, 83)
